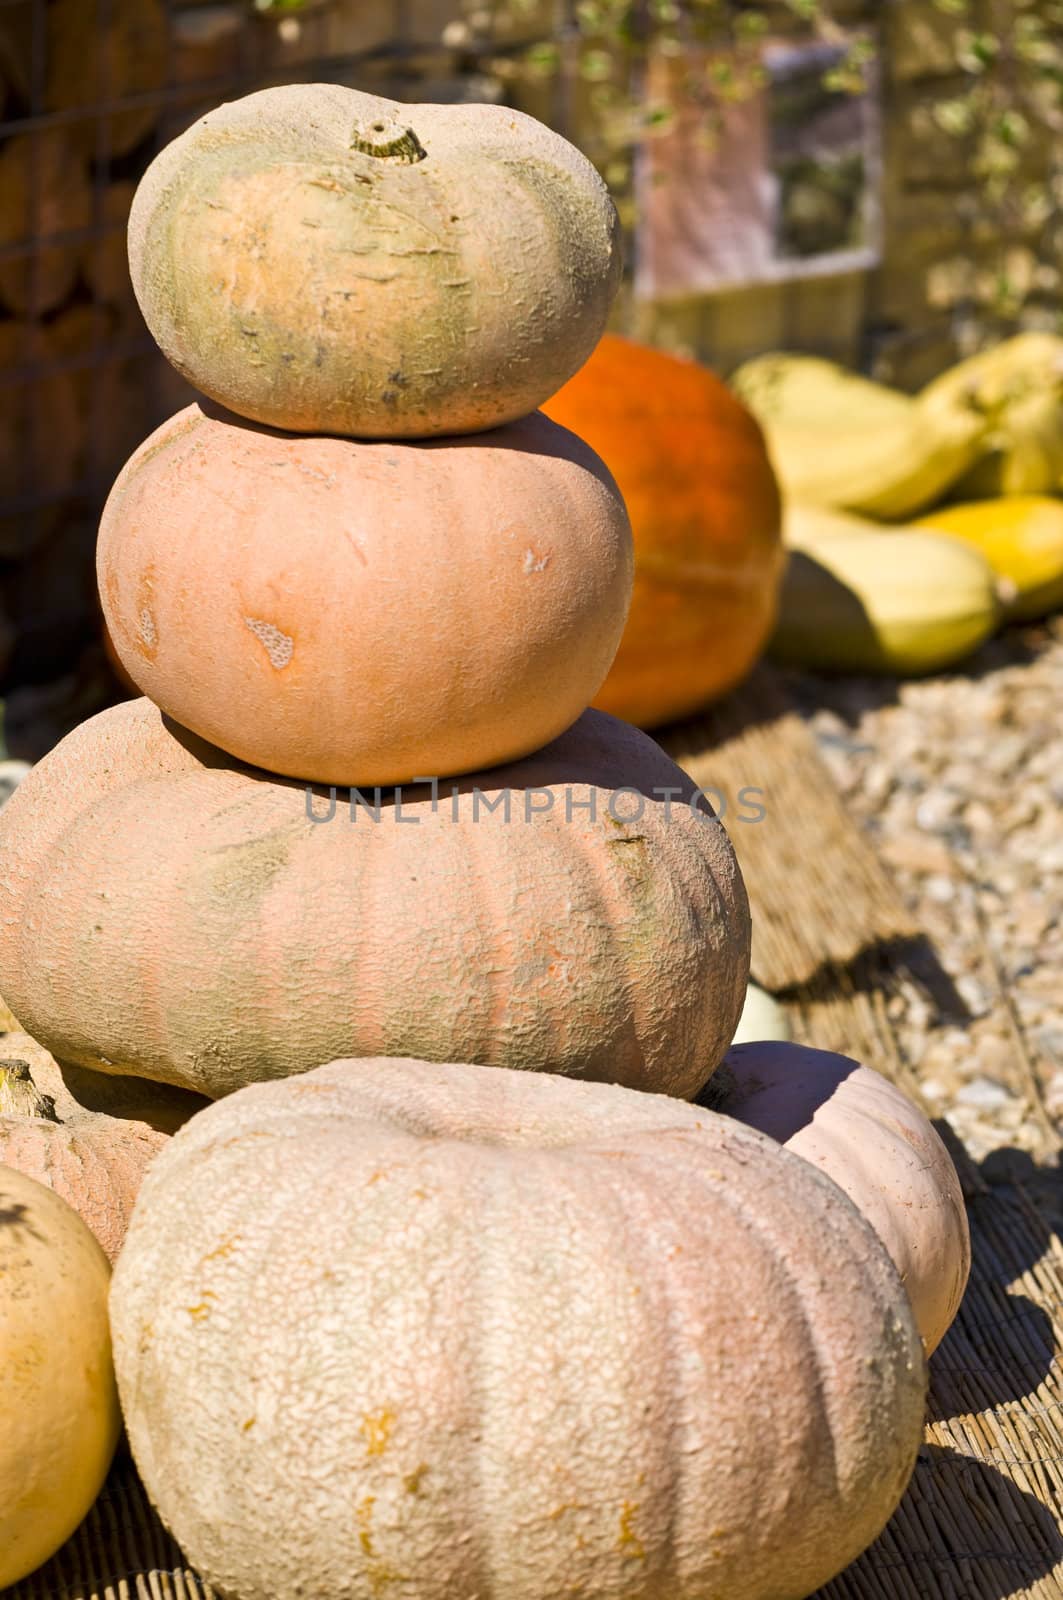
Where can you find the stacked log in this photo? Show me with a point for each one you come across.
(44, 191)
(91, 65)
(104, 262)
(42, 436)
(66, 299)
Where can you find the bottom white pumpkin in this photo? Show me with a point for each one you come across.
(443, 1332)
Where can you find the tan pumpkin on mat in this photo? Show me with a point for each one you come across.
(457, 1332)
(863, 1132)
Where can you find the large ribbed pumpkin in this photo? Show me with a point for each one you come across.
(328, 261)
(860, 1130)
(89, 1138)
(349, 612)
(692, 466)
(168, 914)
(452, 1332)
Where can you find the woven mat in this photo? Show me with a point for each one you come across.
(753, 752)
(983, 1517)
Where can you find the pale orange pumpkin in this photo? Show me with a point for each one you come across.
(167, 913)
(692, 466)
(459, 1332)
(862, 1131)
(350, 612)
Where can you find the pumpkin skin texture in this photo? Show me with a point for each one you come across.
(858, 1128)
(168, 914)
(544, 1337)
(59, 1419)
(326, 286)
(694, 471)
(357, 613)
(54, 1128)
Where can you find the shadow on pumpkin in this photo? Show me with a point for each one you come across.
(533, 434)
(597, 751)
(160, 1105)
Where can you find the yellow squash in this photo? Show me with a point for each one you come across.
(837, 439)
(805, 526)
(1021, 536)
(1017, 386)
(890, 602)
(809, 390)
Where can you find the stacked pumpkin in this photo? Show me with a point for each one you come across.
(433, 1317)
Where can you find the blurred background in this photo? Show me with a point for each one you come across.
(876, 183)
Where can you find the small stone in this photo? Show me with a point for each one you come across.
(939, 808)
(1054, 1097)
(1051, 857)
(1049, 1040)
(1003, 755)
(975, 995)
(984, 1093)
(979, 818)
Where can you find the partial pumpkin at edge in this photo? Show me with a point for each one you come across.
(865, 1134)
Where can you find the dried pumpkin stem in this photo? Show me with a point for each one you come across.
(19, 1095)
(378, 140)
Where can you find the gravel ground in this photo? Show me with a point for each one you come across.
(958, 781)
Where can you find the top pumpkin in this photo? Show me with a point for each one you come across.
(326, 261)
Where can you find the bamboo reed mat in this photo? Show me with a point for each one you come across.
(982, 1517)
(819, 893)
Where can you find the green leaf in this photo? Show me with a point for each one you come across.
(595, 66)
(544, 58)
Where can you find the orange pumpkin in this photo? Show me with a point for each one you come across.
(352, 612)
(691, 463)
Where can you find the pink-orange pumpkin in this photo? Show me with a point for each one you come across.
(89, 1138)
(352, 612)
(860, 1130)
(451, 1332)
(167, 913)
